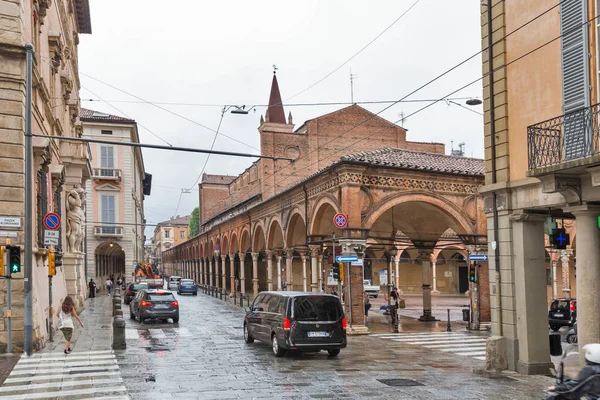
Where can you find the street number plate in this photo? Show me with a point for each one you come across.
(317, 334)
(559, 315)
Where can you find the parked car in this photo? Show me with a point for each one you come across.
(173, 282)
(132, 289)
(187, 286)
(155, 304)
(563, 312)
(372, 291)
(302, 321)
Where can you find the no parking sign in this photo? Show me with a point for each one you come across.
(340, 220)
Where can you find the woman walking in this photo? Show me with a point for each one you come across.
(65, 321)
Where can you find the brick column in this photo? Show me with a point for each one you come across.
(314, 275)
(278, 255)
(232, 272)
(565, 256)
(224, 270)
(255, 273)
(426, 269)
(211, 265)
(303, 258)
(289, 276)
(269, 270)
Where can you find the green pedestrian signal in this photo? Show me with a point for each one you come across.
(14, 259)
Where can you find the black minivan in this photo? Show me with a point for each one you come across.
(300, 321)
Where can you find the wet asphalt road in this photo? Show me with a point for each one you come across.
(204, 357)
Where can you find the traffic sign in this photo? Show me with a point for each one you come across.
(51, 238)
(478, 257)
(346, 258)
(52, 221)
(340, 220)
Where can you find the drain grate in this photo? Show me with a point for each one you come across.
(400, 382)
(157, 348)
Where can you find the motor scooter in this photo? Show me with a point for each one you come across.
(560, 372)
(572, 335)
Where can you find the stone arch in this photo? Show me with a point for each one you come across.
(234, 243)
(275, 235)
(295, 234)
(435, 211)
(325, 205)
(259, 238)
(245, 244)
(225, 244)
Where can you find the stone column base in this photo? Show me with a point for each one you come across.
(534, 368)
(357, 330)
(435, 292)
(427, 317)
(495, 354)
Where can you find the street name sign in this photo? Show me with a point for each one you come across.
(51, 238)
(478, 257)
(10, 222)
(346, 258)
(10, 234)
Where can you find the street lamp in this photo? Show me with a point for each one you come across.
(474, 102)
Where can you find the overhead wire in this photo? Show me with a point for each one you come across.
(169, 111)
(357, 53)
(336, 138)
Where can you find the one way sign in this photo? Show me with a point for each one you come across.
(478, 257)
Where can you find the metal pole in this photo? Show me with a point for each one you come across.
(50, 332)
(28, 229)
(334, 261)
(349, 294)
(495, 243)
(8, 315)
(449, 328)
(476, 300)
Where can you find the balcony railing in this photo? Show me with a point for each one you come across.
(566, 138)
(107, 173)
(108, 231)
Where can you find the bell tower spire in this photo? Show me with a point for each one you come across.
(275, 112)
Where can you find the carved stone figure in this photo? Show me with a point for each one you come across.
(75, 218)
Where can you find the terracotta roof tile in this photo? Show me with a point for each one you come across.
(415, 160)
(177, 221)
(98, 116)
(218, 179)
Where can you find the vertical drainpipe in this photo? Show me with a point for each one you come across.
(495, 244)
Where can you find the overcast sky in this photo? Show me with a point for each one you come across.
(222, 53)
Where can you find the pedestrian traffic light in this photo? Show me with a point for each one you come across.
(14, 259)
(51, 263)
(336, 271)
(472, 275)
(2, 271)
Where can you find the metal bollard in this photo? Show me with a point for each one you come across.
(118, 333)
(234, 298)
(449, 328)
(221, 294)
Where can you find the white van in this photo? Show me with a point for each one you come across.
(173, 282)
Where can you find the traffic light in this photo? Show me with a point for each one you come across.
(336, 271)
(472, 275)
(2, 271)
(14, 259)
(58, 259)
(51, 263)
(341, 271)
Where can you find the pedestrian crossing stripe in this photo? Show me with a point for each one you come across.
(86, 374)
(458, 343)
(134, 333)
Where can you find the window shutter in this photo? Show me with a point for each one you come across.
(107, 159)
(108, 208)
(575, 77)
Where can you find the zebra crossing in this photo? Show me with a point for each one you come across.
(79, 375)
(167, 333)
(459, 343)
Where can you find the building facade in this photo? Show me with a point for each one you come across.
(542, 172)
(115, 197)
(168, 234)
(60, 167)
(272, 227)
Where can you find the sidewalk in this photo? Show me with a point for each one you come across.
(91, 370)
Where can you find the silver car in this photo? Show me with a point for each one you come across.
(174, 282)
(154, 304)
